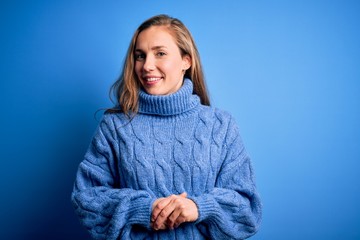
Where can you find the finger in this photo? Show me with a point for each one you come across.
(184, 194)
(163, 216)
(162, 227)
(185, 211)
(165, 213)
(158, 207)
(178, 215)
(173, 221)
(179, 221)
(153, 206)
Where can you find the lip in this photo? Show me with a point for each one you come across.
(150, 80)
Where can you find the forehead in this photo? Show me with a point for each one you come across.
(155, 36)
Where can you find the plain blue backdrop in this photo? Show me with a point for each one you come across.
(289, 71)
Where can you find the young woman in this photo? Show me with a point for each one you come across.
(163, 164)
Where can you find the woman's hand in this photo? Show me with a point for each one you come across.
(171, 211)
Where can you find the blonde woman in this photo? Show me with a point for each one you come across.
(163, 164)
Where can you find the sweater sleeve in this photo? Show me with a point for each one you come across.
(232, 209)
(106, 210)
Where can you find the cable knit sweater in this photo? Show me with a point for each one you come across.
(173, 145)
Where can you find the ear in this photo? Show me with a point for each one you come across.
(186, 62)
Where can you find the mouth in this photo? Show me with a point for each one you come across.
(151, 80)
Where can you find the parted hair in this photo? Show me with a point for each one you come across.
(126, 89)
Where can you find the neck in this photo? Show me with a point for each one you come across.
(176, 103)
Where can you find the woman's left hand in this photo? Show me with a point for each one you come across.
(172, 211)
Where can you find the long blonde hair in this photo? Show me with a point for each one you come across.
(126, 88)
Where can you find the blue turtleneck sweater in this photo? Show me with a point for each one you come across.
(173, 145)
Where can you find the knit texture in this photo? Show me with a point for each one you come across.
(173, 145)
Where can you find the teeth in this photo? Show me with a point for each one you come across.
(152, 79)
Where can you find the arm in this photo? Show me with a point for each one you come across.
(231, 210)
(103, 208)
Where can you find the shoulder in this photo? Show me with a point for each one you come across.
(216, 115)
(110, 123)
(113, 120)
(223, 123)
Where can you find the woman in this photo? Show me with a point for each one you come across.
(163, 164)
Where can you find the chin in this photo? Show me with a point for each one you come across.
(154, 92)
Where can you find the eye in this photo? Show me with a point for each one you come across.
(139, 56)
(160, 54)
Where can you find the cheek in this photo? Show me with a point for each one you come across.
(137, 67)
(172, 67)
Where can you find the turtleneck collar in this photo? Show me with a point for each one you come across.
(181, 101)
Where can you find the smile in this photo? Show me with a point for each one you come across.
(153, 79)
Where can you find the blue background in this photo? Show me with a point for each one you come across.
(289, 71)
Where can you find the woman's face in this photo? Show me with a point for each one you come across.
(159, 65)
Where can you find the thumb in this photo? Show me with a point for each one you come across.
(184, 195)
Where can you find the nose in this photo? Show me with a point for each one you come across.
(149, 64)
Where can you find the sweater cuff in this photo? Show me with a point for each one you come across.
(206, 207)
(141, 212)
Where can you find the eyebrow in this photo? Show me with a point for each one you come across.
(153, 48)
